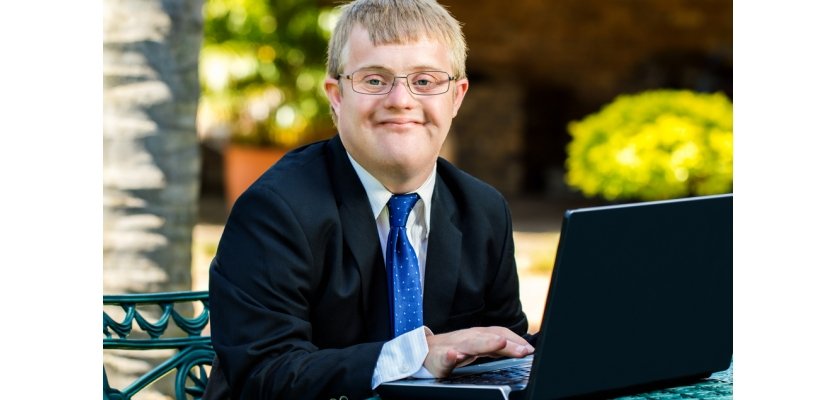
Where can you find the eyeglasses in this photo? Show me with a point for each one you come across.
(379, 82)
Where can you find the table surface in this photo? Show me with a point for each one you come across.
(718, 386)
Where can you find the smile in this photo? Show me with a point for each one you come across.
(399, 122)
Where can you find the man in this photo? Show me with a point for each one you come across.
(316, 286)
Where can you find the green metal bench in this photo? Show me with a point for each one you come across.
(142, 322)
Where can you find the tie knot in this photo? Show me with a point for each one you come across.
(400, 205)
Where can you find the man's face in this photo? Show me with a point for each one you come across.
(398, 134)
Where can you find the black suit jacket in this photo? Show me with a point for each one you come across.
(298, 285)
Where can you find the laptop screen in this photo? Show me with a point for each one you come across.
(640, 293)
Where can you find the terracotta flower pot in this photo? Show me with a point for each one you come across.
(242, 165)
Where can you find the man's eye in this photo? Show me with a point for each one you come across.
(374, 81)
(422, 82)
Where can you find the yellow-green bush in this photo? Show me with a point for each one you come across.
(653, 145)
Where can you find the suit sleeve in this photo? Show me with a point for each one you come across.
(504, 308)
(261, 286)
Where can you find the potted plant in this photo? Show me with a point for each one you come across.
(261, 70)
(657, 144)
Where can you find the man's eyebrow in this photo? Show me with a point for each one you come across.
(375, 67)
(427, 68)
(416, 68)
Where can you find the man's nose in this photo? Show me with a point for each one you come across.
(400, 94)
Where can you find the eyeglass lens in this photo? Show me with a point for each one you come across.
(371, 81)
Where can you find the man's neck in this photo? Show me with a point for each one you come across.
(397, 180)
(403, 183)
(379, 195)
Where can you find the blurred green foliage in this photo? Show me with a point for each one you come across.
(654, 145)
(261, 70)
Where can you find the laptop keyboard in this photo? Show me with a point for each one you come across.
(513, 375)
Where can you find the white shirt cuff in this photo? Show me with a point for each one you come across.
(401, 357)
(423, 373)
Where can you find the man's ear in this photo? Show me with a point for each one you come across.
(334, 93)
(458, 92)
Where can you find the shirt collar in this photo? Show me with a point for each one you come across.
(378, 195)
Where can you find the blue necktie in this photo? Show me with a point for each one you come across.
(405, 298)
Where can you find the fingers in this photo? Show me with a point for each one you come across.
(494, 342)
(480, 343)
(516, 350)
(441, 363)
(452, 358)
(516, 345)
(464, 359)
(455, 349)
(510, 336)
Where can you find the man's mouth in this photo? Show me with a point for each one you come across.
(399, 122)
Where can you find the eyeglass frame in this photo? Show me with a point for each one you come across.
(394, 82)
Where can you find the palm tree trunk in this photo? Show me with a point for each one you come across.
(151, 150)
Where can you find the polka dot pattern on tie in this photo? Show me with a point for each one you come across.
(405, 299)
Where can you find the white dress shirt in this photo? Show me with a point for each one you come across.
(402, 356)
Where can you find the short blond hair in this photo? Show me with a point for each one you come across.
(397, 22)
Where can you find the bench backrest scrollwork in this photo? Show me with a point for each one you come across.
(142, 322)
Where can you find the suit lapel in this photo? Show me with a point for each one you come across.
(360, 235)
(443, 258)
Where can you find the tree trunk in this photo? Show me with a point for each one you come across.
(151, 150)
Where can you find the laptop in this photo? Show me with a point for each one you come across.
(640, 298)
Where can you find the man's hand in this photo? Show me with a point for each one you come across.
(448, 351)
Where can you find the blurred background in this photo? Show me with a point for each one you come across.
(571, 103)
(533, 68)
